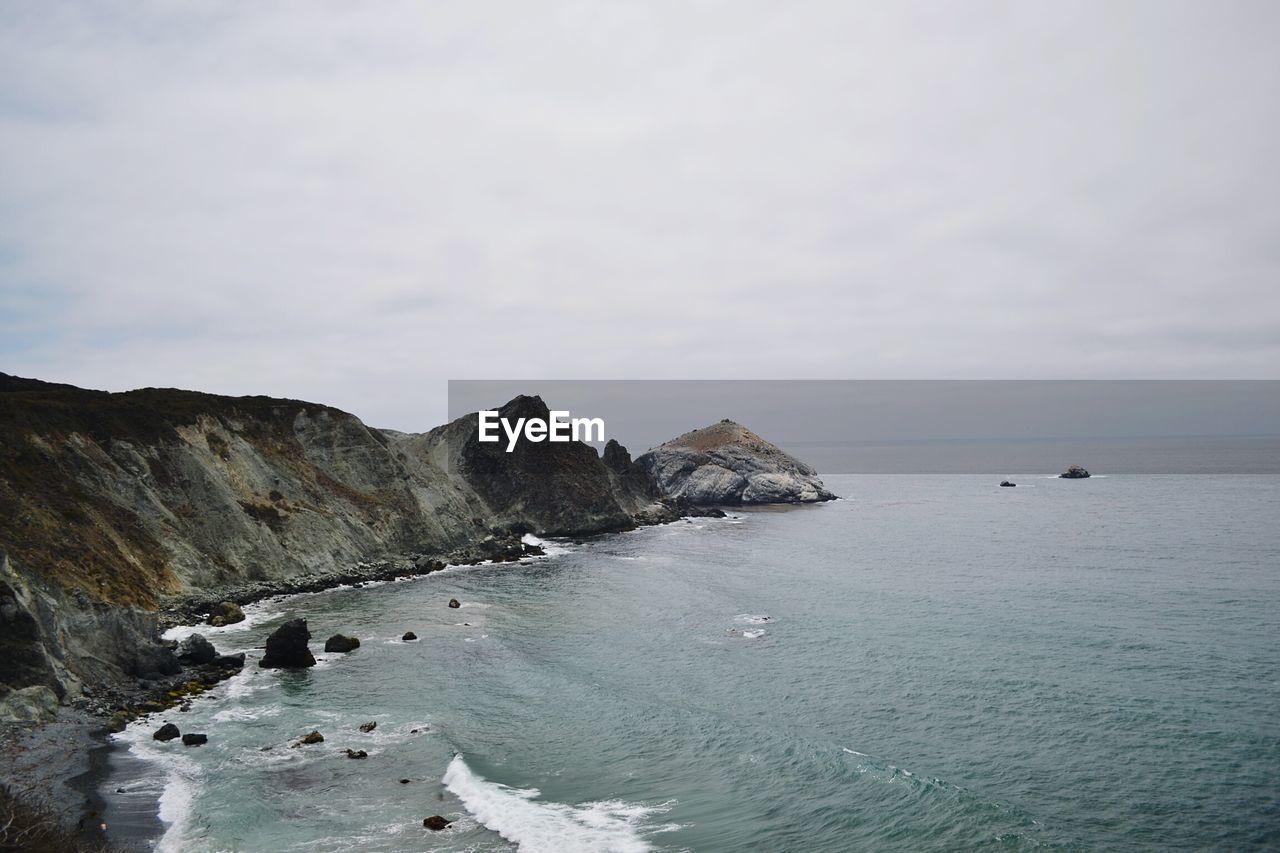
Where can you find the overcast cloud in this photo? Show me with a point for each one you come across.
(353, 202)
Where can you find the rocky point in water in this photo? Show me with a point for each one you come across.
(726, 463)
(341, 643)
(287, 647)
(1075, 472)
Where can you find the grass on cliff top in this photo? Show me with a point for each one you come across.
(77, 536)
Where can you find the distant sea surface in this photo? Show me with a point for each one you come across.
(1247, 454)
(931, 663)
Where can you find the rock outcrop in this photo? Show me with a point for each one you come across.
(167, 732)
(196, 651)
(341, 643)
(287, 647)
(1075, 472)
(726, 463)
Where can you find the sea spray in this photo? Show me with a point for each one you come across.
(534, 827)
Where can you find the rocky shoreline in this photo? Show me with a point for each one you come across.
(124, 515)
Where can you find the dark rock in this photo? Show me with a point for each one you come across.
(368, 727)
(557, 488)
(405, 781)
(226, 613)
(155, 661)
(235, 661)
(435, 823)
(409, 635)
(341, 643)
(1075, 472)
(1006, 484)
(454, 603)
(287, 647)
(167, 732)
(194, 739)
(357, 753)
(311, 738)
(196, 651)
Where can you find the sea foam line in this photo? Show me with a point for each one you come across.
(611, 826)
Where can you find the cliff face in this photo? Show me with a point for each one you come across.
(111, 502)
(129, 497)
(726, 463)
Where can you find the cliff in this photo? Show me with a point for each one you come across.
(114, 504)
(726, 463)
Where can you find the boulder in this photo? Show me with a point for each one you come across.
(1006, 484)
(312, 737)
(368, 727)
(34, 704)
(409, 635)
(341, 643)
(454, 603)
(726, 463)
(194, 739)
(226, 613)
(435, 823)
(357, 753)
(1075, 472)
(167, 732)
(287, 647)
(196, 651)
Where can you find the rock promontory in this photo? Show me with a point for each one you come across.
(726, 463)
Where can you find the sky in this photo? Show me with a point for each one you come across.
(355, 202)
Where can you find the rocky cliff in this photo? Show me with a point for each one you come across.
(726, 463)
(113, 504)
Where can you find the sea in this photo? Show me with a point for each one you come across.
(932, 662)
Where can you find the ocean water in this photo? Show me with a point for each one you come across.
(931, 663)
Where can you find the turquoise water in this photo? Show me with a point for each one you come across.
(932, 663)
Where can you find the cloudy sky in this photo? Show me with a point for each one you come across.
(353, 202)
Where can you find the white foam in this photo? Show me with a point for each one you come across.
(751, 635)
(753, 618)
(254, 615)
(550, 547)
(181, 781)
(610, 826)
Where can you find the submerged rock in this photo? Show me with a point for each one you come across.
(287, 647)
(194, 739)
(357, 753)
(167, 732)
(435, 823)
(1075, 472)
(196, 651)
(368, 727)
(409, 635)
(341, 643)
(726, 463)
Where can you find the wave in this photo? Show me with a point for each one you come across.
(753, 618)
(610, 826)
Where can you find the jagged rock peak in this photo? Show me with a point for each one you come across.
(726, 463)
